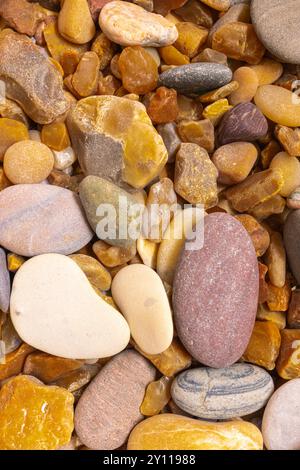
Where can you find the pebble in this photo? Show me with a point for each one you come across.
(30, 223)
(11, 131)
(146, 309)
(197, 78)
(238, 390)
(75, 22)
(279, 105)
(110, 406)
(172, 142)
(4, 283)
(50, 318)
(63, 159)
(214, 305)
(175, 432)
(281, 420)
(128, 24)
(28, 161)
(244, 122)
(234, 161)
(98, 276)
(292, 242)
(275, 22)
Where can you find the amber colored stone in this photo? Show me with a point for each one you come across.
(75, 22)
(85, 78)
(234, 161)
(195, 175)
(48, 368)
(172, 56)
(274, 205)
(57, 45)
(57, 66)
(59, 178)
(138, 69)
(156, 397)
(263, 286)
(114, 66)
(279, 105)
(287, 81)
(104, 49)
(4, 182)
(293, 317)
(147, 249)
(238, 41)
(190, 38)
(69, 61)
(196, 12)
(163, 7)
(288, 364)
(14, 262)
(21, 15)
(248, 84)
(108, 85)
(275, 259)
(162, 107)
(34, 416)
(94, 271)
(290, 169)
(112, 256)
(259, 235)
(264, 314)
(256, 189)
(198, 132)
(289, 139)
(209, 55)
(215, 111)
(269, 152)
(14, 361)
(279, 297)
(189, 109)
(55, 136)
(171, 361)
(264, 345)
(10, 109)
(173, 432)
(11, 131)
(219, 93)
(267, 71)
(76, 379)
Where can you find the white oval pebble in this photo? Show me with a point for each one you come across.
(54, 309)
(140, 294)
(64, 158)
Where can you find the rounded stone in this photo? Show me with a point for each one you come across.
(291, 234)
(238, 390)
(39, 218)
(63, 315)
(281, 420)
(215, 292)
(197, 78)
(276, 25)
(110, 406)
(4, 282)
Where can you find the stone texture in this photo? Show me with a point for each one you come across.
(292, 242)
(30, 223)
(109, 407)
(215, 304)
(4, 282)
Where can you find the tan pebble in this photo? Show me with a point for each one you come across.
(290, 168)
(64, 159)
(113, 256)
(248, 84)
(234, 161)
(147, 250)
(275, 259)
(94, 271)
(267, 71)
(75, 22)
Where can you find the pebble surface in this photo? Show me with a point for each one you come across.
(4, 283)
(292, 242)
(215, 293)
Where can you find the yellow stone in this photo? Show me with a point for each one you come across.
(290, 169)
(279, 105)
(174, 432)
(11, 131)
(147, 249)
(267, 71)
(14, 262)
(172, 56)
(190, 38)
(288, 364)
(215, 111)
(55, 136)
(264, 344)
(264, 314)
(94, 271)
(156, 397)
(75, 22)
(58, 46)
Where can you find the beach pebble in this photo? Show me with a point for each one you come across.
(110, 407)
(238, 390)
(75, 22)
(292, 242)
(146, 309)
(131, 25)
(63, 315)
(215, 304)
(4, 283)
(276, 24)
(281, 420)
(197, 78)
(31, 224)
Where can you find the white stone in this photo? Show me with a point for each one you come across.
(64, 158)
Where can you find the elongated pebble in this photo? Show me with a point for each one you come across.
(4, 282)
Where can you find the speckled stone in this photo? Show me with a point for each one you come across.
(215, 293)
(243, 123)
(194, 79)
(281, 420)
(4, 283)
(40, 218)
(238, 390)
(292, 242)
(277, 25)
(110, 407)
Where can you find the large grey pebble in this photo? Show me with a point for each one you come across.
(4, 283)
(194, 79)
(40, 218)
(235, 391)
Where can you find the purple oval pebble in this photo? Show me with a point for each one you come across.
(4, 283)
(215, 293)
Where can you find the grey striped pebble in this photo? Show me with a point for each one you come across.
(238, 390)
(4, 283)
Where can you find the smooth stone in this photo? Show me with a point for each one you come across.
(110, 406)
(238, 390)
(195, 79)
(41, 218)
(4, 283)
(215, 293)
(146, 308)
(291, 237)
(128, 24)
(276, 24)
(63, 315)
(95, 193)
(243, 123)
(281, 420)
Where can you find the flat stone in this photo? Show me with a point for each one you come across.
(195, 79)
(110, 407)
(215, 293)
(4, 282)
(40, 218)
(276, 24)
(292, 242)
(63, 315)
(281, 420)
(238, 390)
